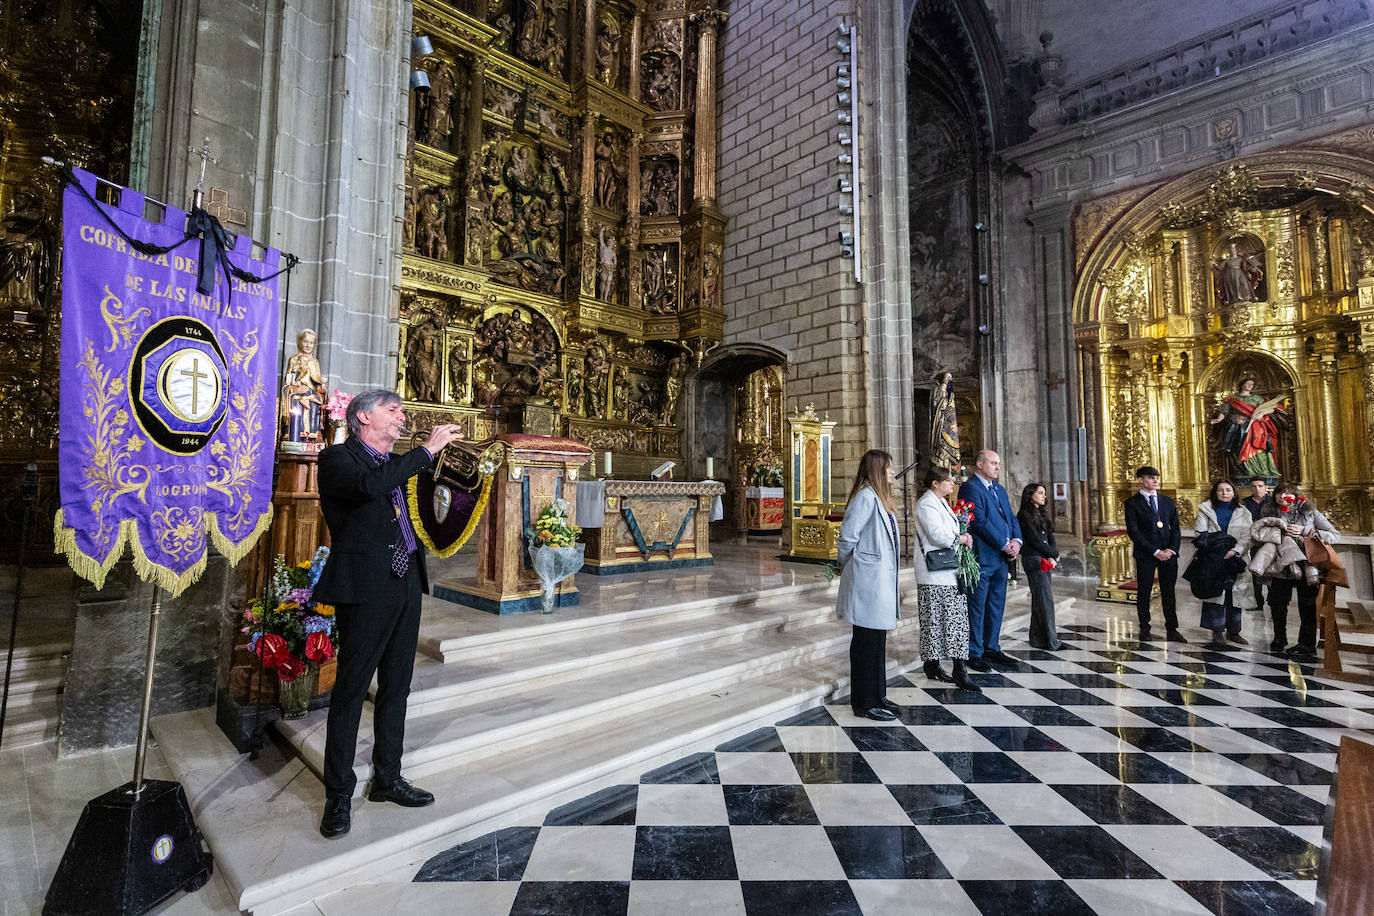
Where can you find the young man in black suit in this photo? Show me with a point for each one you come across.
(1259, 492)
(1152, 524)
(374, 577)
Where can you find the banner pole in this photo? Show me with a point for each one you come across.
(140, 754)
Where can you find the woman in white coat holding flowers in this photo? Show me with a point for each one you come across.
(868, 583)
(941, 607)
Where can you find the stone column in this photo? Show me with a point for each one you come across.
(704, 191)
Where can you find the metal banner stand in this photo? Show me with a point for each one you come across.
(136, 845)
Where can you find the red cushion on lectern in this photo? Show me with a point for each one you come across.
(835, 517)
(1128, 586)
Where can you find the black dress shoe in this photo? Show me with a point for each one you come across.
(1277, 644)
(979, 664)
(338, 817)
(962, 680)
(998, 657)
(885, 703)
(402, 793)
(1144, 632)
(1302, 654)
(1175, 636)
(933, 671)
(877, 713)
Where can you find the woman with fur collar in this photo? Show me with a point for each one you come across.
(1288, 518)
(1223, 513)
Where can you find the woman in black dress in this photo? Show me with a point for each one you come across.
(1039, 554)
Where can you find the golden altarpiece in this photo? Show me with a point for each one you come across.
(562, 244)
(1239, 297)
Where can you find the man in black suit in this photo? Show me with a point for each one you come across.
(1152, 524)
(1259, 492)
(374, 577)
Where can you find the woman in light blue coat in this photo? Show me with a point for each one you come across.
(868, 583)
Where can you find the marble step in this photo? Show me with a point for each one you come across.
(454, 634)
(438, 740)
(275, 867)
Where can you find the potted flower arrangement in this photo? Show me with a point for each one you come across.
(967, 573)
(337, 409)
(290, 634)
(554, 549)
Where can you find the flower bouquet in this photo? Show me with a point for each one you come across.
(291, 634)
(967, 573)
(337, 409)
(1046, 564)
(554, 551)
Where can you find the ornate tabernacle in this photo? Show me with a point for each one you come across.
(648, 524)
(561, 238)
(815, 519)
(537, 470)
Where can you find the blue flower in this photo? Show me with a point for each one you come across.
(316, 624)
(253, 643)
(317, 565)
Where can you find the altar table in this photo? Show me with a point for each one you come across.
(636, 525)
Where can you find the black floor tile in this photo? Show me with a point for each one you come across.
(1285, 768)
(1108, 668)
(1171, 715)
(684, 854)
(1290, 740)
(614, 805)
(1140, 767)
(1019, 738)
(1182, 697)
(818, 716)
(885, 853)
(571, 898)
(1091, 680)
(1082, 628)
(1113, 804)
(1070, 696)
(696, 769)
(1295, 682)
(928, 715)
(1084, 852)
(799, 898)
(1247, 898)
(769, 805)
(884, 739)
(499, 856)
(1280, 804)
(1290, 717)
(996, 898)
(760, 739)
(1284, 855)
(942, 804)
(1034, 655)
(984, 766)
(952, 697)
(833, 766)
(1191, 681)
(1048, 715)
(1157, 740)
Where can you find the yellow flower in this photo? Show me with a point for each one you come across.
(325, 610)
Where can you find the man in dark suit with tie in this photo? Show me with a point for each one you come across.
(1152, 524)
(996, 542)
(1259, 491)
(374, 577)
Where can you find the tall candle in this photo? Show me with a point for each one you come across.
(606, 460)
(710, 467)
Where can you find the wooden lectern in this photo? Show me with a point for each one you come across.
(537, 470)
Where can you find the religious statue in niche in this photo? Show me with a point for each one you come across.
(620, 395)
(660, 280)
(606, 261)
(661, 76)
(543, 40)
(432, 223)
(423, 358)
(645, 409)
(944, 425)
(408, 225)
(610, 171)
(608, 33)
(1251, 434)
(1240, 272)
(597, 365)
(519, 353)
(658, 178)
(573, 390)
(711, 282)
(503, 100)
(691, 279)
(458, 372)
(303, 392)
(443, 85)
(672, 387)
(528, 213)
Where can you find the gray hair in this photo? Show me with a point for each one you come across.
(367, 402)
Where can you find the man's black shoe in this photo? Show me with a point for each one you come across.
(1175, 636)
(998, 657)
(402, 793)
(979, 664)
(1277, 644)
(1144, 632)
(338, 817)
(1302, 654)
(885, 703)
(877, 713)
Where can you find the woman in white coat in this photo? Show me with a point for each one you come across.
(868, 583)
(940, 606)
(1224, 513)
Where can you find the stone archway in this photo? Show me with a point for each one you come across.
(1160, 335)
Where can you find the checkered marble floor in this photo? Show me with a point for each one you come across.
(1111, 777)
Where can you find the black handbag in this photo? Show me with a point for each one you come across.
(946, 558)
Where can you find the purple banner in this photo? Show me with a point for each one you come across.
(168, 396)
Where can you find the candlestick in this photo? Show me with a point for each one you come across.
(606, 460)
(710, 467)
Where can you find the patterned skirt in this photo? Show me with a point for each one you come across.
(943, 613)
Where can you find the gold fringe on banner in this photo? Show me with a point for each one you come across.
(413, 509)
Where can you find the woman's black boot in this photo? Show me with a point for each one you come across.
(961, 678)
(935, 672)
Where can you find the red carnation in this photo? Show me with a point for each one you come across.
(318, 648)
(1046, 564)
(272, 650)
(290, 668)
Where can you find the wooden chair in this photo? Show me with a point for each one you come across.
(1360, 626)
